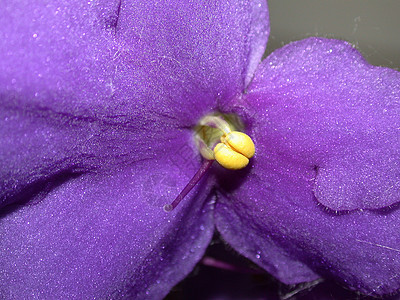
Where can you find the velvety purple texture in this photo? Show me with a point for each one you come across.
(103, 235)
(83, 83)
(97, 104)
(323, 105)
(98, 101)
(326, 125)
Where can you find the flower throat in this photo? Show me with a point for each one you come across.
(217, 138)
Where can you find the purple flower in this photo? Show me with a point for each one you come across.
(98, 104)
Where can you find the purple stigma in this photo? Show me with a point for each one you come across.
(192, 183)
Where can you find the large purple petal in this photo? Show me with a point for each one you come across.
(323, 106)
(187, 55)
(296, 240)
(106, 235)
(247, 220)
(319, 109)
(53, 80)
(84, 83)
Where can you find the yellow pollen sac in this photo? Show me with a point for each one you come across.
(241, 142)
(234, 151)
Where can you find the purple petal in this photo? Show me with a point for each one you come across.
(297, 240)
(188, 55)
(106, 235)
(53, 81)
(323, 106)
(246, 222)
(85, 83)
(319, 110)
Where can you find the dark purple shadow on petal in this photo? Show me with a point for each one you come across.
(386, 210)
(109, 15)
(379, 211)
(37, 191)
(230, 180)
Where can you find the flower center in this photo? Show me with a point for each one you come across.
(217, 139)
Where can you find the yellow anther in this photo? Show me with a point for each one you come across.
(235, 147)
(240, 142)
(234, 151)
(229, 158)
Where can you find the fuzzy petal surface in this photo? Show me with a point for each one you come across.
(324, 106)
(97, 104)
(317, 105)
(83, 82)
(296, 240)
(106, 236)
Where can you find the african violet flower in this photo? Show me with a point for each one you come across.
(98, 105)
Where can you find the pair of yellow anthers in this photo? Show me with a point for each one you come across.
(235, 148)
(232, 152)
